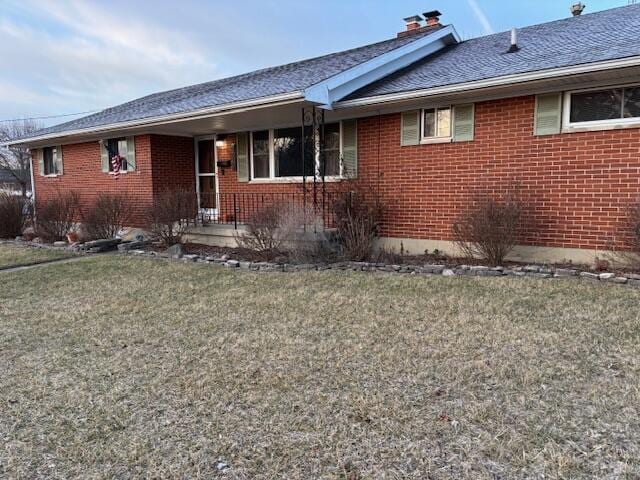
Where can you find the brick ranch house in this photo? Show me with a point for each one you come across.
(424, 118)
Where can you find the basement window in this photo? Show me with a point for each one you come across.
(611, 107)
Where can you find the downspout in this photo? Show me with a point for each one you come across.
(33, 185)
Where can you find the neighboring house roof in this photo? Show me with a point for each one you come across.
(283, 79)
(607, 35)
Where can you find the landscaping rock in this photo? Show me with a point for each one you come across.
(176, 251)
(245, 265)
(233, 263)
(531, 268)
(126, 246)
(564, 272)
(634, 283)
(478, 268)
(60, 244)
(589, 276)
(618, 280)
(633, 276)
(190, 257)
(434, 269)
(99, 246)
(606, 276)
(19, 238)
(447, 272)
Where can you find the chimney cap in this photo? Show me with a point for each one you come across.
(413, 19)
(432, 14)
(577, 9)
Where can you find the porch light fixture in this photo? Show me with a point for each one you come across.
(220, 139)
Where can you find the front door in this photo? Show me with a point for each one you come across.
(207, 181)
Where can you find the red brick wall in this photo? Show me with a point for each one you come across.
(161, 161)
(173, 163)
(83, 174)
(579, 183)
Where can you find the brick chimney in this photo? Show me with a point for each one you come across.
(433, 18)
(413, 24)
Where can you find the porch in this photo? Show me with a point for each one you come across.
(222, 217)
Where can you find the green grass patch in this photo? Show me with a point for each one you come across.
(121, 367)
(18, 255)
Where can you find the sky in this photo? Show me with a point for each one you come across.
(61, 57)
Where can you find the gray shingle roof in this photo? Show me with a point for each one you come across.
(289, 78)
(607, 35)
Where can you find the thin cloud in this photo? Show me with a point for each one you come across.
(481, 17)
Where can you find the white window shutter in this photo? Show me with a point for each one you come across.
(104, 157)
(39, 157)
(242, 156)
(410, 128)
(131, 154)
(548, 116)
(350, 148)
(463, 123)
(59, 161)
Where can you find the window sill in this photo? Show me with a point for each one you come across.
(52, 175)
(436, 140)
(258, 181)
(595, 127)
(122, 172)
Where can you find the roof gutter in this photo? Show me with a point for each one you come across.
(164, 119)
(491, 82)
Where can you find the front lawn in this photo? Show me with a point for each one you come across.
(13, 255)
(123, 367)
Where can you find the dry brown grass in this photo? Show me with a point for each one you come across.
(16, 255)
(134, 368)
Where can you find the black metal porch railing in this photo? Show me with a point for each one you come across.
(236, 209)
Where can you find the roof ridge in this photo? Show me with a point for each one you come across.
(559, 20)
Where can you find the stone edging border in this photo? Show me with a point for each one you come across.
(531, 271)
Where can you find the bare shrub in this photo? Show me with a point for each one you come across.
(262, 229)
(14, 214)
(171, 215)
(489, 227)
(108, 214)
(57, 216)
(629, 253)
(304, 238)
(358, 213)
(290, 229)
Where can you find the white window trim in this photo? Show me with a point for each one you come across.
(597, 125)
(272, 161)
(435, 140)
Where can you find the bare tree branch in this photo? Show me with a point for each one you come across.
(17, 160)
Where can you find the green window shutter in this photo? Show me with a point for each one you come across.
(131, 154)
(548, 116)
(242, 156)
(350, 148)
(410, 128)
(104, 157)
(39, 155)
(463, 123)
(59, 161)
